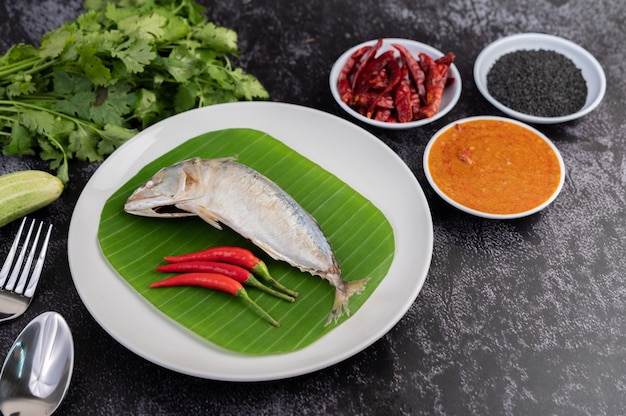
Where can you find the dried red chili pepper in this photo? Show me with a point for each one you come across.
(414, 68)
(436, 79)
(344, 84)
(394, 78)
(402, 97)
(238, 273)
(233, 255)
(367, 98)
(364, 61)
(371, 70)
(383, 114)
(214, 281)
(379, 81)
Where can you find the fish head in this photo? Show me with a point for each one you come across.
(166, 192)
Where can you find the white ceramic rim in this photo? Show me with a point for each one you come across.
(482, 214)
(450, 97)
(590, 67)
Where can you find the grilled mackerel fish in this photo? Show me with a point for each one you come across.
(223, 191)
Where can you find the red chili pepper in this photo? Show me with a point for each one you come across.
(371, 70)
(238, 273)
(446, 60)
(367, 98)
(394, 77)
(343, 83)
(380, 80)
(364, 61)
(436, 78)
(214, 281)
(414, 68)
(402, 98)
(383, 114)
(234, 255)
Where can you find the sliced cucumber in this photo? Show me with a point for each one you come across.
(26, 191)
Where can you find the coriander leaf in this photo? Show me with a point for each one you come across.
(83, 143)
(114, 13)
(77, 104)
(250, 87)
(38, 121)
(20, 142)
(182, 64)
(109, 40)
(176, 29)
(89, 22)
(218, 38)
(21, 85)
(135, 53)
(53, 43)
(186, 97)
(18, 53)
(148, 107)
(114, 136)
(45, 123)
(195, 12)
(221, 77)
(92, 65)
(53, 152)
(144, 27)
(117, 103)
(66, 83)
(95, 5)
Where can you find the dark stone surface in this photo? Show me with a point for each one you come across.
(522, 317)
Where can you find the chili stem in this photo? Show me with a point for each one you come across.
(244, 295)
(252, 281)
(260, 269)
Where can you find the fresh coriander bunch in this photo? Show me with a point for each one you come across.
(119, 67)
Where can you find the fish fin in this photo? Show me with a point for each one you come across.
(343, 296)
(209, 217)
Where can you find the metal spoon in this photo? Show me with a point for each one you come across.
(37, 371)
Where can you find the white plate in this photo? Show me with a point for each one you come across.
(591, 70)
(449, 99)
(349, 152)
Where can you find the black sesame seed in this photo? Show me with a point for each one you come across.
(537, 82)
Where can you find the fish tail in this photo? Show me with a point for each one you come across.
(342, 296)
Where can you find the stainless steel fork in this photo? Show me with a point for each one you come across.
(18, 277)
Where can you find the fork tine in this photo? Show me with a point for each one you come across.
(20, 259)
(21, 283)
(4, 273)
(34, 280)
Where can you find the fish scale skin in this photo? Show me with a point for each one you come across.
(268, 216)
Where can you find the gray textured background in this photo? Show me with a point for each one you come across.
(524, 317)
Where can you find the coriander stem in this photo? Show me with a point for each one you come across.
(17, 66)
(40, 67)
(23, 104)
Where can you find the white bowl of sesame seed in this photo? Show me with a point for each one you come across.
(539, 78)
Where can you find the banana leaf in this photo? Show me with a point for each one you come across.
(359, 233)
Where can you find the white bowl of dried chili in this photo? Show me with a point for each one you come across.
(494, 167)
(394, 97)
(539, 78)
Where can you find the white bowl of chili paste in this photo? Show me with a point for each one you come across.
(539, 78)
(395, 83)
(494, 167)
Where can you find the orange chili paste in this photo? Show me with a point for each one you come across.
(494, 166)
